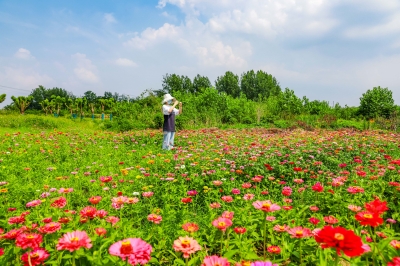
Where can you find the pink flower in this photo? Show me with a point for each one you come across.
(248, 196)
(287, 191)
(154, 218)
(112, 219)
(34, 203)
(236, 191)
(314, 208)
(215, 205)
(100, 231)
(101, 214)
(355, 190)
(281, 228)
(222, 223)
(89, 212)
(262, 263)
(331, 219)
(35, 257)
(227, 199)
(28, 240)
(186, 245)
(299, 232)
(266, 206)
(215, 261)
(65, 190)
(59, 202)
(354, 208)
(50, 228)
(147, 194)
(228, 215)
(73, 241)
(270, 218)
(135, 249)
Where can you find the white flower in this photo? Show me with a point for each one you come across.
(182, 166)
(136, 193)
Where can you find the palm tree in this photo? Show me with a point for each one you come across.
(22, 102)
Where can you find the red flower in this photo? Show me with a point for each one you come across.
(28, 241)
(394, 262)
(340, 239)
(274, 249)
(376, 206)
(89, 212)
(186, 200)
(331, 220)
(318, 187)
(297, 169)
(369, 218)
(240, 230)
(314, 220)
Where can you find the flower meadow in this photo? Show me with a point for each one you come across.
(221, 197)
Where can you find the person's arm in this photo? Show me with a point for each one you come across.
(173, 107)
(180, 108)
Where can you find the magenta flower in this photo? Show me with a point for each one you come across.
(266, 206)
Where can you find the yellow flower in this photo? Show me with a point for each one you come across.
(124, 172)
(138, 176)
(3, 190)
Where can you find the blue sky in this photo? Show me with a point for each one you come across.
(328, 50)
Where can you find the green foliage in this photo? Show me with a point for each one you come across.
(377, 102)
(41, 93)
(22, 102)
(253, 84)
(229, 84)
(2, 97)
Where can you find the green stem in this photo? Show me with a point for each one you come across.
(265, 235)
(336, 258)
(301, 258)
(222, 241)
(187, 261)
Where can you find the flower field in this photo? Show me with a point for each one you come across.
(233, 197)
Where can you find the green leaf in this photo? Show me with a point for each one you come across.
(230, 253)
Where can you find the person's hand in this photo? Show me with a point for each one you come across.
(180, 104)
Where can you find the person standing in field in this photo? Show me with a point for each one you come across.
(169, 103)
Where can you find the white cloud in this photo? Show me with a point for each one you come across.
(150, 36)
(23, 78)
(125, 62)
(85, 70)
(392, 26)
(109, 18)
(23, 54)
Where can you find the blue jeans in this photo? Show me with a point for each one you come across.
(168, 141)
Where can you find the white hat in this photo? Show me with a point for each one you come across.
(167, 97)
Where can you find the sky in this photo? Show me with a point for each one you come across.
(332, 50)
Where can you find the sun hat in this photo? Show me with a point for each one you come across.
(167, 97)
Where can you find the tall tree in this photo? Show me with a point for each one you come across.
(257, 83)
(41, 93)
(58, 102)
(22, 102)
(377, 102)
(90, 96)
(2, 97)
(200, 83)
(228, 83)
(175, 83)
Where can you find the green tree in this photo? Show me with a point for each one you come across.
(289, 103)
(90, 96)
(2, 97)
(254, 83)
(58, 102)
(41, 93)
(70, 104)
(377, 102)
(228, 83)
(45, 104)
(22, 102)
(200, 83)
(81, 103)
(175, 83)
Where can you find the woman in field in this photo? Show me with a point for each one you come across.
(169, 103)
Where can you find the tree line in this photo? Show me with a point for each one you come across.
(253, 96)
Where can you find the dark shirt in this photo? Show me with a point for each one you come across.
(169, 122)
